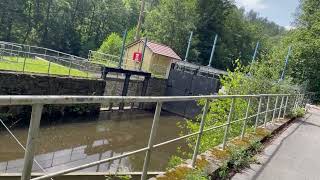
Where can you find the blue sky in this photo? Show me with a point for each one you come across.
(279, 11)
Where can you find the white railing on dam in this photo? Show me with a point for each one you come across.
(262, 104)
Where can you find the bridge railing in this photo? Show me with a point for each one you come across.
(269, 105)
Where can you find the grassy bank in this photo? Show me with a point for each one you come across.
(37, 66)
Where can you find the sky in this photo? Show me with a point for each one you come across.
(278, 11)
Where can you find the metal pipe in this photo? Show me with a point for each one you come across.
(225, 137)
(152, 137)
(286, 64)
(189, 45)
(124, 38)
(266, 115)
(245, 120)
(143, 52)
(213, 49)
(31, 141)
(196, 149)
(257, 117)
(275, 109)
(255, 52)
(54, 99)
(281, 106)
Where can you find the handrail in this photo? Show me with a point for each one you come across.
(55, 99)
(38, 102)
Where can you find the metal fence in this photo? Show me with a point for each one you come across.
(26, 58)
(264, 112)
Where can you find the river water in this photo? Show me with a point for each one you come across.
(77, 141)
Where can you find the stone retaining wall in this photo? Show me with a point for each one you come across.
(31, 84)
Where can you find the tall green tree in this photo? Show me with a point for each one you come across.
(171, 22)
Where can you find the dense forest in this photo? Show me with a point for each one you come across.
(76, 26)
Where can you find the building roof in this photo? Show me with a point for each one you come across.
(160, 49)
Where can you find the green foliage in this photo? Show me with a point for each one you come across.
(305, 41)
(298, 112)
(118, 177)
(174, 161)
(263, 80)
(112, 44)
(171, 22)
(197, 175)
(38, 66)
(239, 159)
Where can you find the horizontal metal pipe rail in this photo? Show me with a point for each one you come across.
(38, 102)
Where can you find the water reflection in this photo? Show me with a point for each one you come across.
(69, 144)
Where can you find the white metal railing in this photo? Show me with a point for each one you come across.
(38, 102)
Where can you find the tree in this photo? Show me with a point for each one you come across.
(171, 22)
(305, 41)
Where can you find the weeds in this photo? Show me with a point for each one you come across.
(239, 159)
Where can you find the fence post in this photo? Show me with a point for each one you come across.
(274, 110)
(228, 124)
(196, 149)
(24, 64)
(266, 115)
(32, 141)
(122, 48)
(49, 67)
(258, 114)
(281, 106)
(285, 107)
(69, 68)
(151, 140)
(245, 120)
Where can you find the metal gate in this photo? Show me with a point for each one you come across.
(186, 79)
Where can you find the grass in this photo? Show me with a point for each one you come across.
(38, 66)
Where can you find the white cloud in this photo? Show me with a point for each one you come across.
(251, 4)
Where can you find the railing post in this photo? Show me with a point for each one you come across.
(245, 120)
(152, 137)
(281, 106)
(228, 124)
(196, 149)
(274, 110)
(285, 107)
(70, 68)
(258, 114)
(32, 140)
(24, 64)
(266, 115)
(49, 67)
(295, 102)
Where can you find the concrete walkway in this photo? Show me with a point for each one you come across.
(293, 155)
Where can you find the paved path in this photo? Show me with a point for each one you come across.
(293, 155)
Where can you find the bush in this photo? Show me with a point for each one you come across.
(298, 112)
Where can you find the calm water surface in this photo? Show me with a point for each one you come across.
(83, 140)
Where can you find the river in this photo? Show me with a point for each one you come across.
(75, 141)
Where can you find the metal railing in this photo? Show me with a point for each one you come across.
(24, 56)
(283, 103)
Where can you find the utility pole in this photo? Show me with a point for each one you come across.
(137, 37)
